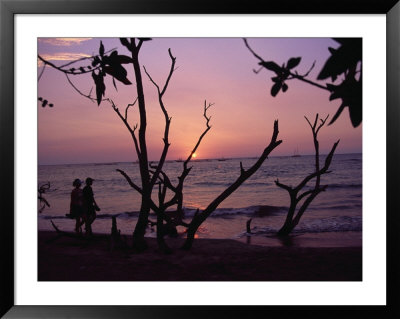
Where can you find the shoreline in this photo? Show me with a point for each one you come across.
(62, 258)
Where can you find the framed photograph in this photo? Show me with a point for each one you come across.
(223, 162)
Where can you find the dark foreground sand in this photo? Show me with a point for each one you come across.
(65, 258)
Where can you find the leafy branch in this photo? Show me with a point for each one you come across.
(344, 61)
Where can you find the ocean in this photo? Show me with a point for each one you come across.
(337, 210)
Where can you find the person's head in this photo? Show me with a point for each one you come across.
(89, 181)
(77, 183)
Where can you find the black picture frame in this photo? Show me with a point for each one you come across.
(8, 10)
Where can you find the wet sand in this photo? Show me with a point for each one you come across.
(63, 258)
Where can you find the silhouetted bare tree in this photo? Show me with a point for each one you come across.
(152, 175)
(344, 61)
(297, 194)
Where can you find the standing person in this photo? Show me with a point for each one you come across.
(76, 206)
(90, 206)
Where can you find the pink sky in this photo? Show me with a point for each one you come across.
(219, 70)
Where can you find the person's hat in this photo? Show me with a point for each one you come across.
(89, 179)
(77, 182)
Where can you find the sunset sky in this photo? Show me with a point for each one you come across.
(219, 70)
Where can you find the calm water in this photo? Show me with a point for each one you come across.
(339, 209)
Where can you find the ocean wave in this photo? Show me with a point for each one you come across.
(257, 210)
(344, 186)
(251, 211)
(320, 225)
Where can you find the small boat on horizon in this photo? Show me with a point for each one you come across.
(296, 153)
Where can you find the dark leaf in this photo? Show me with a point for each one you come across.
(82, 69)
(96, 61)
(89, 67)
(275, 88)
(350, 92)
(118, 72)
(284, 87)
(40, 99)
(124, 59)
(338, 112)
(275, 79)
(51, 105)
(100, 86)
(355, 111)
(72, 69)
(101, 50)
(44, 103)
(293, 62)
(114, 55)
(272, 66)
(106, 60)
(342, 59)
(343, 40)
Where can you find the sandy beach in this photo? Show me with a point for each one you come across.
(62, 258)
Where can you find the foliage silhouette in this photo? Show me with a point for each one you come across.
(344, 61)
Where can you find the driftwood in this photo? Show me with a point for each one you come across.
(248, 227)
(61, 233)
(116, 240)
(199, 218)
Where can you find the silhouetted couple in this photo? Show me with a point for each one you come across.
(83, 205)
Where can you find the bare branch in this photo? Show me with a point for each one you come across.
(243, 177)
(251, 50)
(166, 116)
(242, 171)
(292, 75)
(132, 131)
(208, 127)
(308, 72)
(41, 73)
(130, 182)
(309, 123)
(321, 124)
(173, 59)
(288, 188)
(139, 44)
(315, 122)
(126, 109)
(67, 71)
(301, 196)
(85, 58)
(83, 94)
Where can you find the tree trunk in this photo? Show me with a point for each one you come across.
(162, 245)
(190, 238)
(139, 242)
(286, 229)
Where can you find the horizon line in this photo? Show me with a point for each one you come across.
(198, 160)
